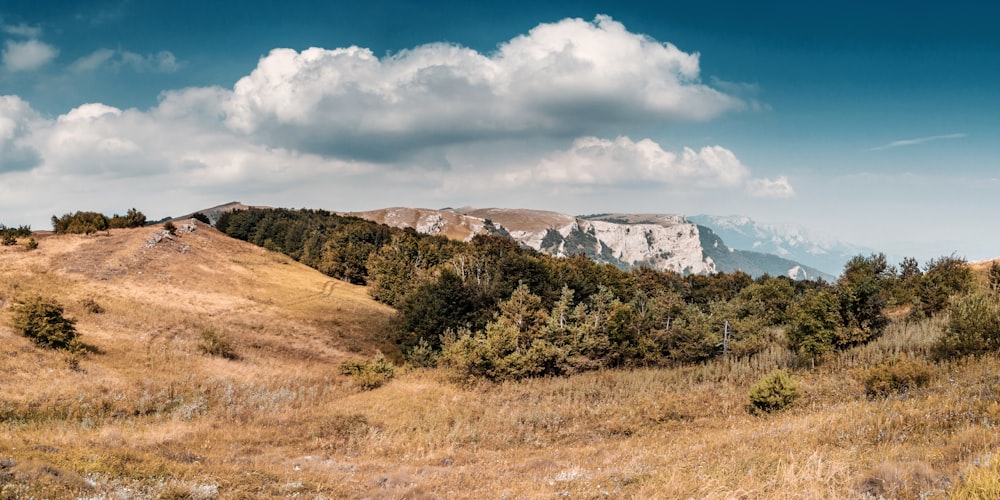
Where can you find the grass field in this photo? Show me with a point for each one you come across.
(144, 413)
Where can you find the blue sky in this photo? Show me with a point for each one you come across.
(875, 124)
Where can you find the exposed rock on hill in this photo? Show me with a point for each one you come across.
(660, 241)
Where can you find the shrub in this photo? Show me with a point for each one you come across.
(80, 223)
(91, 306)
(8, 239)
(31, 244)
(200, 217)
(370, 374)
(774, 392)
(42, 321)
(423, 355)
(973, 327)
(896, 376)
(214, 343)
(170, 227)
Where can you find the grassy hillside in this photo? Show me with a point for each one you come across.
(144, 413)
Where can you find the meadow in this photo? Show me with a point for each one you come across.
(145, 412)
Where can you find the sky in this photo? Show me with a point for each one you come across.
(875, 123)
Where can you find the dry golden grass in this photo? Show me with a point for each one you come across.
(147, 415)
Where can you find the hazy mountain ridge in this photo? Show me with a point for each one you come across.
(661, 241)
(784, 240)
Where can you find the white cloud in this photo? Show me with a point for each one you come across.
(161, 62)
(919, 140)
(352, 130)
(92, 61)
(562, 79)
(22, 30)
(592, 161)
(17, 120)
(771, 188)
(28, 55)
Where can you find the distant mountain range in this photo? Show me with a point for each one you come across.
(702, 244)
(787, 241)
(661, 241)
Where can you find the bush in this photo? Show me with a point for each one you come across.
(91, 306)
(8, 239)
(200, 217)
(973, 327)
(774, 392)
(370, 374)
(42, 321)
(214, 343)
(896, 376)
(31, 244)
(170, 227)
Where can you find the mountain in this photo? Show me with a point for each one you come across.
(661, 241)
(787, 241)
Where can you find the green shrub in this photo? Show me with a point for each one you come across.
(973, 327)
(423, 355)
(896, 376)
(42, 321)
(370, 374)
(31, 244)
(774, 392)
(214, 343)
(8, 239)
(200, 217)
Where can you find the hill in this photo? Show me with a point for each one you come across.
(145, 414)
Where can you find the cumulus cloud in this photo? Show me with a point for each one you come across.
(161, 62)
(562, 79)
(343, 124)
(28, 55)
(592, 161)
(16, 122)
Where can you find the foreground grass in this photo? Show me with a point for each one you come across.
(146, 414)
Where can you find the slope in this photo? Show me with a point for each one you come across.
(144, 403)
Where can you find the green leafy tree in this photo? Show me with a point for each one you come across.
(862, 294)
(814, 323)
(943, 278)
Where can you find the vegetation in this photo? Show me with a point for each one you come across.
(370, 374)
(895, 376)
(147, 417)
(9, 235)
(494, 309)
(774, 392)
(973, 326)
(42, 321)
(91, 222)
(213, 343)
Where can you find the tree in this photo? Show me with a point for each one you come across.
(943, 278)
(973, 326)
(814, 323)
(862, 295)
(42, 321)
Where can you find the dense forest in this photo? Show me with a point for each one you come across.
(495, 309)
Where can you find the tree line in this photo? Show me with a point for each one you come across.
(493, 308)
